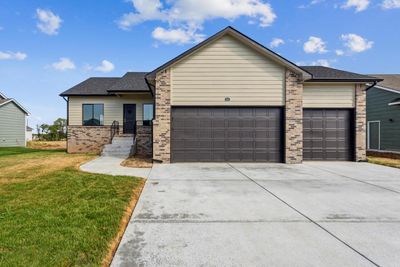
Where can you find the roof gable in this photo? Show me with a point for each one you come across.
(4, 102)
(2, 96)
(131, 82)
(245, 40)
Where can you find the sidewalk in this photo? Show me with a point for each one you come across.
(112, 166)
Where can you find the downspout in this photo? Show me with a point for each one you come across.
(366, 90)
(371, 86)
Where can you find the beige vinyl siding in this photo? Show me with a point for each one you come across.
(113, 107)
(12, 126)
(227, 68)
(329, 96)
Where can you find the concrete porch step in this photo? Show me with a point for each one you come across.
(121, 146)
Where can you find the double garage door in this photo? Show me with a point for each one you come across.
(221, 134)
(255, 134)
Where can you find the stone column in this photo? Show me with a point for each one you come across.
(162, 120)
(360, 123)
(293, 118)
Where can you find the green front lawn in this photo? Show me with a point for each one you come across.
(52, 214)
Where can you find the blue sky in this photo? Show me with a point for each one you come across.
(48, 46)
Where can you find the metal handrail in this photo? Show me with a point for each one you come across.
(114, 129)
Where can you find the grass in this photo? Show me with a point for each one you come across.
(53, 214)
(384, 161)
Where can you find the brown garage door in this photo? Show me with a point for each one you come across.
(328, 134)
(220, 134)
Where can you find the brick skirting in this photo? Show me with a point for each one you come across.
(87, 139)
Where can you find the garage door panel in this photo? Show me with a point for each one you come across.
(327, 134)
(226, 134)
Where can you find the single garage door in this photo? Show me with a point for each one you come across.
(328, 134)
(220, 134)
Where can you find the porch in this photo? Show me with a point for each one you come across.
(95, 120)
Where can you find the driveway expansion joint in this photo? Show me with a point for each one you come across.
(357, 180)
(305, 216)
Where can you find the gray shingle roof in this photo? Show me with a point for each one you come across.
(3, 100)
(320, 73)
(391, 81)
(131, 82)
(91, 86)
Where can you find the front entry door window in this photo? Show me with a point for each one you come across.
(129, 118)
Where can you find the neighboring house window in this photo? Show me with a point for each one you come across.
(147, 114)
(93, 114)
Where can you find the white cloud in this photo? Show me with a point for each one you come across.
(315, 45)
(390, 4)
(359, 5)
(12, 55)
(356, 43)
(321, 62)
(106, 66)
(339, 52)
(189, 16)
(48, 23)
(63, 64)
(311, 3)
(179, 36)
(276, 42)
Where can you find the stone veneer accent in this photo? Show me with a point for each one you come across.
(162, 120)
(144, 140)
(361, 123)
(87, 139)
(293, 118)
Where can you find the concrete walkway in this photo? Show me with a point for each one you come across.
(112, 166)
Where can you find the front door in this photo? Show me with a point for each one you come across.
(129, 118)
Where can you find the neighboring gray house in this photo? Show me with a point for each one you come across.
(383, 114)
(227, 99)
(12, 122)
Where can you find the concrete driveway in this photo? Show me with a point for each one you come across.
(314, 214)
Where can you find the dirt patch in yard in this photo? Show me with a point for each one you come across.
(395, 163)
(137, 162)
(21, 168)
(47, 144)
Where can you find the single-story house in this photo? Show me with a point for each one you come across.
(228, 98)
(12, 122)
(383, 114)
